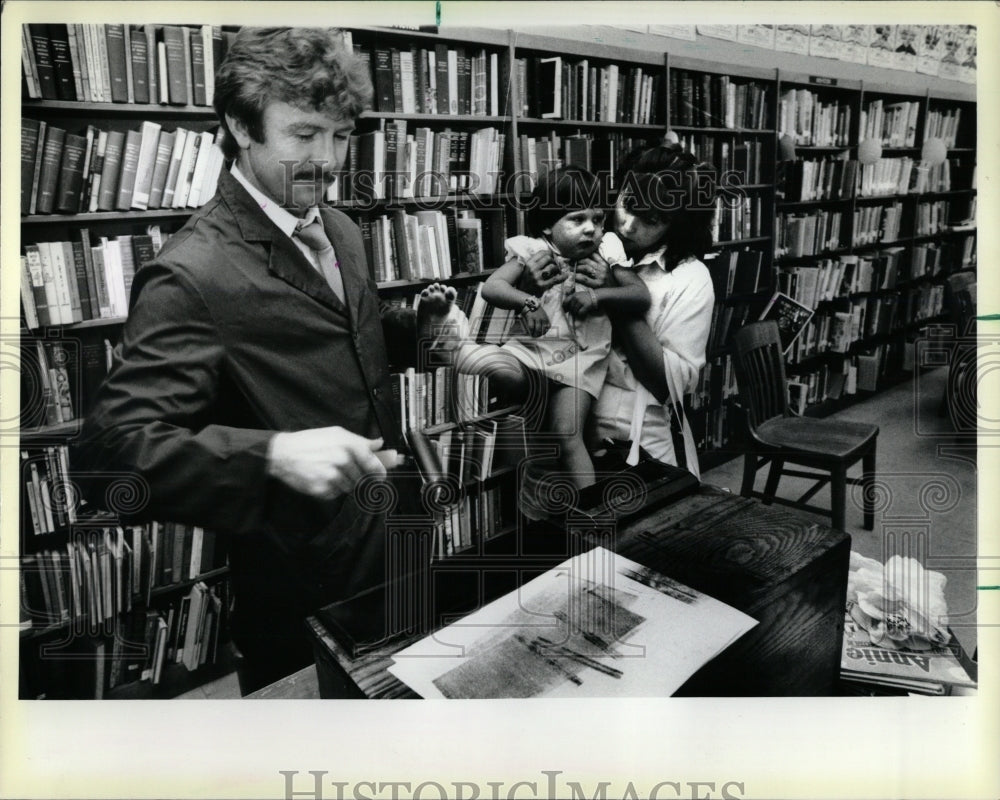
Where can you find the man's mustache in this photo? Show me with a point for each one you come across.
(312, 173)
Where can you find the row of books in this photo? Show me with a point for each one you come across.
(933, 258)
(50, 377)
(433, 244)
(833, 382)
(702, 100)
(892, 124)
(105, 571)
(887, 176)
(716, 383)
(436, 396)
(832, 278)
(737, 272)
(818, 179)
(118, 63)
(839, 329)
(100, 170)
(601, 155)
(556, 88)
(931, 218)
(738, 163)
(806, 234)
(943, 125)
(434, 80)
(804, 116)
(476, 518)
(67, 282)
(51, 496)
(873, 224)
(938, 177)
(738, 218)
(390, 163)
(712, 429)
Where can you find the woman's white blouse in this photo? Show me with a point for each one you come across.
(680, 316)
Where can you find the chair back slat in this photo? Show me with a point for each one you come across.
(760, 372)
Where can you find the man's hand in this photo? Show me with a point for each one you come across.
(593, 271)
(323, 462)
(535, 322)
(540, 272)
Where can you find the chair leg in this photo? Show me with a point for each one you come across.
(773, 476)
(838, 495)
(749, 473)
(868, 478)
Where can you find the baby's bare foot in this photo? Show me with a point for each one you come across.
(439, 319)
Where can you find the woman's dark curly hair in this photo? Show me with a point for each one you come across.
(307, 67)
(668, 184)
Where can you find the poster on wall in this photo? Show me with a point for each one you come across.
(854, 47)
(907, 37)
(825, 41)
(882, 47)
(727, 32)
(757, 35)
(930, 49)
(953, 43)
(968, 55)
(792, 39)
(685, 32)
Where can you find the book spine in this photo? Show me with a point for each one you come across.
(117, 58)
(129, 167)
(47, 81)
(127, 40)
(140, 64)
(70, 174)
(104, 63)
(62, 62)
(82, 283)
(29, 146)
(198, 69)
(173, 41)
(49, 176)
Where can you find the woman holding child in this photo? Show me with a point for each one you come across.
(646, 279)
(663, 217)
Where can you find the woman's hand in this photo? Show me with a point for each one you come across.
(540, 272)
(593, 271)
(535, 322)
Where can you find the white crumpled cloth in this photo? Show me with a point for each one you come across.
(900, 605)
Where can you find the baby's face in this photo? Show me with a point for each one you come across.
(578, 233)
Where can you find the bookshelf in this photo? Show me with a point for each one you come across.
(523, 101)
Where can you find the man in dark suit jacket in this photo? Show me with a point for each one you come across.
(252, 392)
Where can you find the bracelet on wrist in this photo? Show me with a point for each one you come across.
(530, 304)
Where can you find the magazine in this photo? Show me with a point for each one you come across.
(933, 671)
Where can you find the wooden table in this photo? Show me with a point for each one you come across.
(788, 573)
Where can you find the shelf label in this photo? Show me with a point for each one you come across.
(822, 80)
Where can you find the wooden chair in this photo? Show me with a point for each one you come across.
(778, 437)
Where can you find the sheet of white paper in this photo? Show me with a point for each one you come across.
(597, 625)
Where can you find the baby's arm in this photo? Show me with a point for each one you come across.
(500, 291)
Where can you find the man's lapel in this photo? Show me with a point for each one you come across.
(353, 266)
(285, 260)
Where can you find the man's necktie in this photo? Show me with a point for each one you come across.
(316, 239)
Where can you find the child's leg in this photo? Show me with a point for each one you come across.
(568, 412)
(439, 320)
